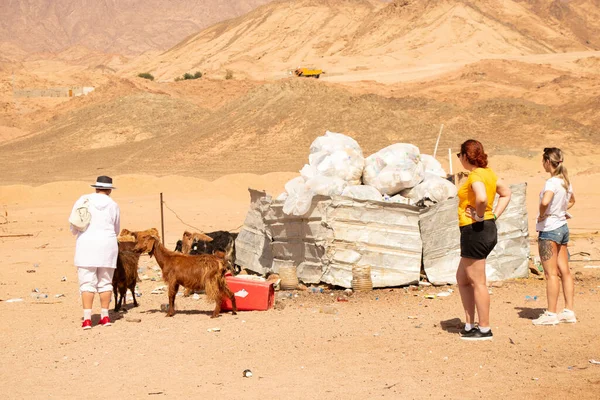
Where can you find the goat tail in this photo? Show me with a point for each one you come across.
(217, 288)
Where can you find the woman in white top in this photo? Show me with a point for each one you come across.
(96, 250)
(555, 199)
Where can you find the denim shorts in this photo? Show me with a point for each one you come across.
(559, 235)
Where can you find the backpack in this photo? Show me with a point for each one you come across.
(80, 218)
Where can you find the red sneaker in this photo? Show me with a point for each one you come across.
(87, 324)
(105, 321)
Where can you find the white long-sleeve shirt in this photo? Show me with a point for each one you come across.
(97, 245)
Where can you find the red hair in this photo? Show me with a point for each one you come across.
(473, 151)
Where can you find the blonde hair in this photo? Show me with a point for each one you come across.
(554, 155)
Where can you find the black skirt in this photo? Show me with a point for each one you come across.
(478, 239)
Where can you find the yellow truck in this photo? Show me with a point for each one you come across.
(308, 72)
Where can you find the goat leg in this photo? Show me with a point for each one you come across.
(132, 288)
(217, 310)
(173, 289)
(233, 303)
(117, 305)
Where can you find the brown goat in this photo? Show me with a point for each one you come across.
(202, 272)
(221, 255)
(126, 274)
(126, 234)
(189, 237)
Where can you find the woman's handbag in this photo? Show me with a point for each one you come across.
(80, 217)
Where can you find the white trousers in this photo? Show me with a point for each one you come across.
(95, 279)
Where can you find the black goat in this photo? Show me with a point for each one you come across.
(220, 241)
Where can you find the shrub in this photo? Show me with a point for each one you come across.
(146, 75)
(228, 74)
(188, 76)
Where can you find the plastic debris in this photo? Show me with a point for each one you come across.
(247, 373)
(531, 298)
(594, 362)
(430, 296)
(213, 330)
(444, 294)
(63, 279)
(13, 300)
(59, 295)
(592, 267)
(159, 290)
(196, 296)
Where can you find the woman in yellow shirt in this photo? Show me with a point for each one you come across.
(478, 236)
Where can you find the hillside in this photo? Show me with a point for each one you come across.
(360, 35)
(127, 27)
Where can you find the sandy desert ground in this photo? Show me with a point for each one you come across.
(518, 75)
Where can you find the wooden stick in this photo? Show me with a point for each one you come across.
(438, 141)
(21, 235)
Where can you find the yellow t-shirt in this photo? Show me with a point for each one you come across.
(466, 195)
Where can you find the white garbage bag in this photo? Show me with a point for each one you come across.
(326, 185)
(394, 168)
(362, 192)
(432, 166)
(433, 187)
(335, 155)
(299, 197)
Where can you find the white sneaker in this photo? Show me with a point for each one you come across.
(566, 316)
(546, 319)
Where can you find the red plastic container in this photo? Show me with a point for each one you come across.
(250, 295)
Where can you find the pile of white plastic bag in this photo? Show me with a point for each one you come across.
(335, 161)
(398, 173)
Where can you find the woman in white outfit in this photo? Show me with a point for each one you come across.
(96, 250)
(555, 199)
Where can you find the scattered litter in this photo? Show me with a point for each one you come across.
(530, 298)
(429, 296)
(446, 358)
(315, 290)
(196, 296)
(13, 300)
(444, 294)
(30, 271)
(451, 290)
(342, 299)
(412, 317)
(376, 334)
(36, 265)
(129, 319)
(592, 267)
(63, 279)
(594, 362)
(349, 292)
(144, 277)
(138, 294)
(59, 295)
(422, 283)
(96, 363)
(37, 295)
(247, 373)
(535, 379)
(213, 330)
